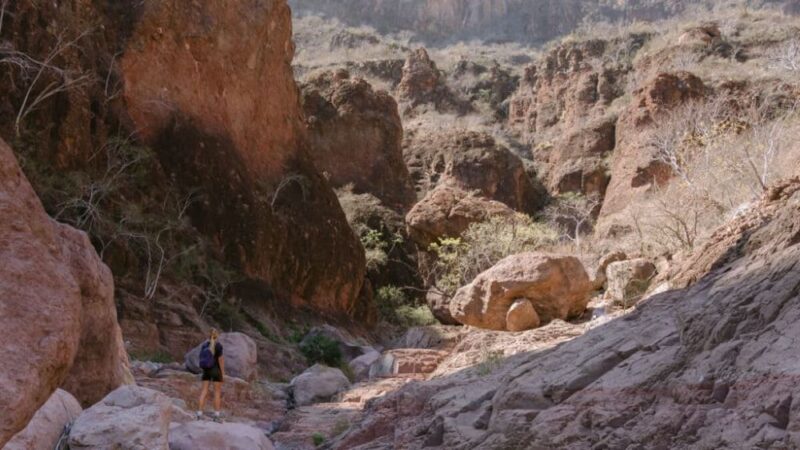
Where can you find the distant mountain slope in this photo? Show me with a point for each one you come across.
(503, 20)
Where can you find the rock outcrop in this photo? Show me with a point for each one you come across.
(56, 307)
(472, 160)
(47, 425)
(447, 211)
(210, 87)
(555, 287)
(423, 83)
(562, 109)
(239, 350)
(356, 137)
(635, 167)
(709, 364)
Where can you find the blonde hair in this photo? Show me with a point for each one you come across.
(212, 340)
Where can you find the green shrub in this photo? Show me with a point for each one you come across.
(318, 439)
(160, 357)
(321, 349)
(395, 307)
(460, 260)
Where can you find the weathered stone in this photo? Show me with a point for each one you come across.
(47, 425)
(448, 211)
(217, 436)
(556, 286)
(521, 316)
(131, 417)
(629, 280)
(56, 301)
(318, 384)
(356, 137)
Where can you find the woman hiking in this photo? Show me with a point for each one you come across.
(213, 365)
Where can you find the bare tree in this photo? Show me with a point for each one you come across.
(787, 56)
(575, 213)
(64, 80)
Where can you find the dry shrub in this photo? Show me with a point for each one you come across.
(723, 154)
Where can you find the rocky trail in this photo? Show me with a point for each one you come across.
(304, 416)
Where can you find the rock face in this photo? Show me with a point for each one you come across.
(217, 436)
(56, 305)
(472, 161)
(239, 350)
(708, 365)
(236, 138)
(47, 425)
(634, 167)
(131, 417)
(629, 280)
(318, 384)
(447, 211)
(562, 109)
(557, 287)
(356, 137)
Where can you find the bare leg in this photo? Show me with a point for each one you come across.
(217, 396)
(203, 393)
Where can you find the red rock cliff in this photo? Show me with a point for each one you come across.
(210, 87)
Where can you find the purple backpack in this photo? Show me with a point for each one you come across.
(207, 360)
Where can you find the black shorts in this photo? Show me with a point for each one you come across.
(212, 374)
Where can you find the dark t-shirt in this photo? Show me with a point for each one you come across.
(217, 352)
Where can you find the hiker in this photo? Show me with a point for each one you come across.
(213, 365)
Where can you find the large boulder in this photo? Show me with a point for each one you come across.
(318, 384)
(448, 211)
(47, 425)
(217, 436)
(557, 287)
(131, 417)
(357, 137)
(239, 350)
(235, 141)
(629, 280)
(56, 307)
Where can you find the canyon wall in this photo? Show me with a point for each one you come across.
(210, 87)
